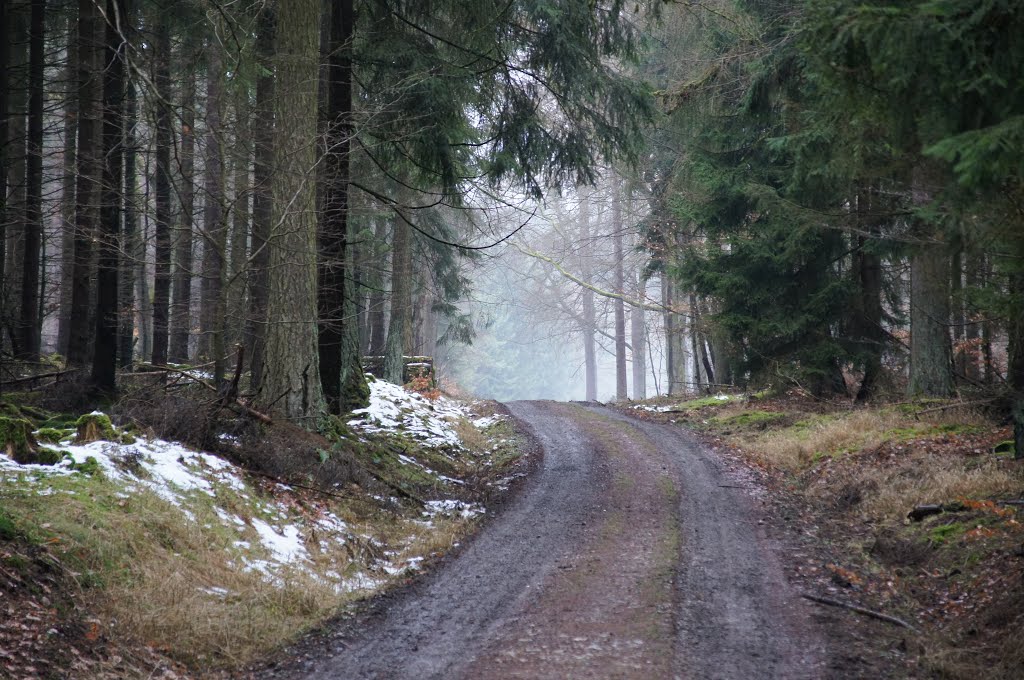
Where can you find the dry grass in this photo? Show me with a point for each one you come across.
(922, 479)
(794, 448)
(170, 583)
(472, 438)
(434, 540)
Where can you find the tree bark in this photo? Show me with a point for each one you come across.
(162, 189)
(237, 254)
(29, 324)
(1015, 349)
(638, 339)
(104, 364)
(930, 357)
(90, 90)
(211, 306)
(291, 371)
(621, 383)
(376, 304)
(931, 360)
(263, 131)
(131, 244)
(181, 307)
(972, 329)
(589, 313)
(16, 34)
(144, 309)
(340, 368)
(4, 129)
(67, 195)
(400, 322)
(868, 307)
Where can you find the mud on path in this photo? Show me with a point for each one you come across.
(631, 554)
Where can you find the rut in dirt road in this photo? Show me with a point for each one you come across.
(629, 555)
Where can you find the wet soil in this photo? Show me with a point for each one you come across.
(633, 552)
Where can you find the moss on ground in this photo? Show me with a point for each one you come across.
(93, 427)
(17, 439)
(750, 419)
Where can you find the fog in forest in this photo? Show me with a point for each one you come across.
(541, 297)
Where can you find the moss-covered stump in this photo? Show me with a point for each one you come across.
(17, 440)
(95, 426)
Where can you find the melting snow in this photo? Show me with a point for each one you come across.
(395, 409)
(275, 539)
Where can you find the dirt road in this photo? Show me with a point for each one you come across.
(633, 553)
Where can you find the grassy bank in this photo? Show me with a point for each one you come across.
(131, 556)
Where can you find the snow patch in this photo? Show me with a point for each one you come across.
(397, 410)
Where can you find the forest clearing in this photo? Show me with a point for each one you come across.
(511, 338)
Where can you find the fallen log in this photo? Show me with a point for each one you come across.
(921, 511)
(860, 610)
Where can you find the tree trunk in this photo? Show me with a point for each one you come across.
(638, 339)
(4, 129)
(162, 189)
(956, 297)
(589, 313)
(340, 368)
(90, 88)
(181, 308)
(376, 304)
(211, 307)
(291, 372)
(263, 135)
(144, 312)
(930, 360)
(67, 195)
(972, 329)
(868, 306)
(132, 246)
(29, 323)
(104, 364)
(400, 322)
(1015, 349)
(619, 283)
(16, 34)
(238, 257)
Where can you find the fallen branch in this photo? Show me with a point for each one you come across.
(921, 511)
(30, 378)
(860, 610)
(1016, 503)
(262, 417)
(957, 404)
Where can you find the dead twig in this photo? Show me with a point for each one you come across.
(262, 417)
(40, 376)
(958, 404)
(860, 610)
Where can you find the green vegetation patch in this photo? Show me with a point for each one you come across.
(17, 439)
(53, 435)
(705, 402)
(95, 426)
(751, 419)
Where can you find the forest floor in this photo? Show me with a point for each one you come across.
(174, 539)
(841, 483)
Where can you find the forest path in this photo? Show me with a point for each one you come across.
(633, 553)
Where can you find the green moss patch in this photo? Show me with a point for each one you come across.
(95, 426)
